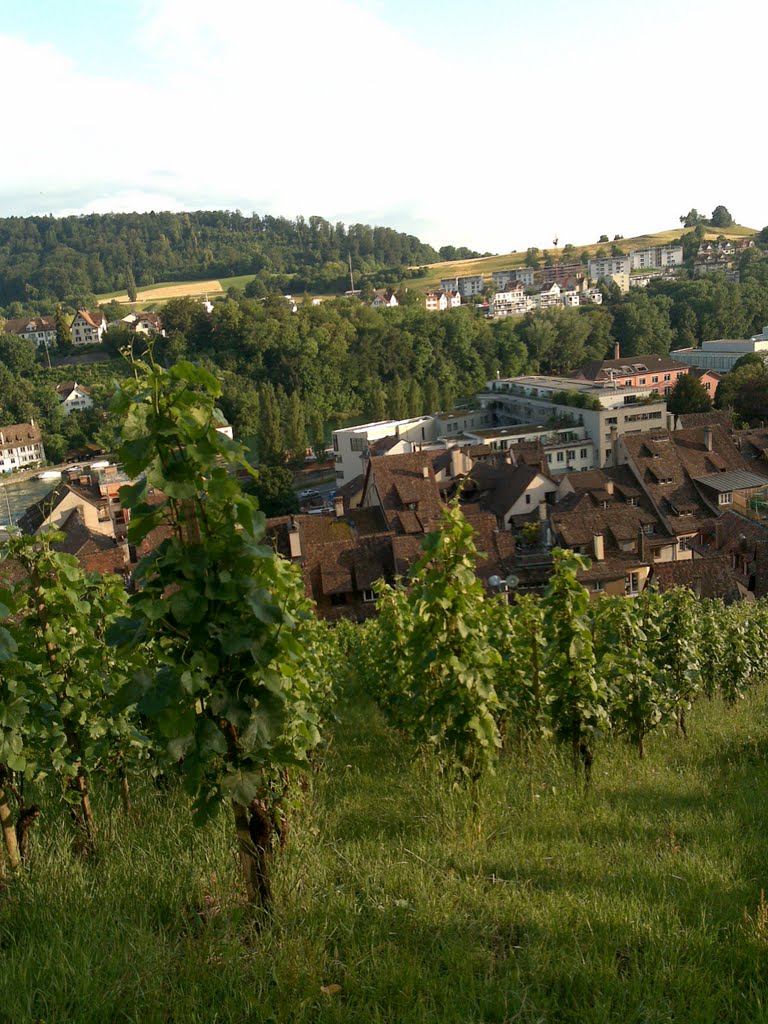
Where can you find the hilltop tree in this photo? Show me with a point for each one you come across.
(532, 257)
(721, 218)
(692, 218)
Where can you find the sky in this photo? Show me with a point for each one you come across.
(496, 124)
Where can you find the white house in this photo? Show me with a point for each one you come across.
(73, 397)
(383, 299)
(40, 329)
(143, 323)
(510, 301)
(88, 328)
(20, 446)
(438, 301)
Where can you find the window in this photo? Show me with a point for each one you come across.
(612, 419)
(571, 454)
(666, 376)
(667, 391)
(598, 586)
(339, 474)
(368, 596)
(654, 380)
(632, 584)
(684, 543)
(642, 380)
(632, 501)
(335, 443)
(583, 453)
(337, 599)
(549, 457)
(726, 498)
(358, 444)
(527, 499)
(560, 457)
(649, 529)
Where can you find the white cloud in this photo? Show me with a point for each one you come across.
(542, 121)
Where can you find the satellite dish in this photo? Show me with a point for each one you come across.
(512, 581)
(494, 581)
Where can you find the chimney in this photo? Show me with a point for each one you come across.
(542, 511)
(544, 534)
(598, 545)
(614, 442)
(609, 486)
(425, 472)
(338, 506)
(294, 539)
(617, 351)
(708, 438)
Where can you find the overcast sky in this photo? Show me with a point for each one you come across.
(496, 124)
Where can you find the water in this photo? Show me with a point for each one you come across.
(18, 495)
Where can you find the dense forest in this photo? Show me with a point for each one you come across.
(48, 259)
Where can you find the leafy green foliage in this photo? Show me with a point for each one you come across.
(434, 637)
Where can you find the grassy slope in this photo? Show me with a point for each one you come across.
(634, 903)
(485, 265)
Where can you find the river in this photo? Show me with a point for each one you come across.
(17, 495)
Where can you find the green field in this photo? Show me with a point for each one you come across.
(640, 901)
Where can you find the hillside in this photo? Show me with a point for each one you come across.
(44, 260)
(487, 264)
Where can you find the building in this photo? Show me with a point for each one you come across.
(607, 266)
(509, 492)
(73, 397)
(41, 329)
(722, 354)
(351, 444)
(690, 476)
(382, 299)
(143, 323)
(93, 492)
(559, 273)
(21, 446)
(511, 301)
(465, 286)
(88, 328)
(603, 410)
(658, 256)
(564, 449)
(438, 301)
(657, 372)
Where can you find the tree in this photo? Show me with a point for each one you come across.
(274, 490)
(692, 218)
(63, 333)
(130, 285)
(688, 395)
(294, 427)
(721, 218)
(270, 433)
(17, 353)
(603, 238)
(532, 257)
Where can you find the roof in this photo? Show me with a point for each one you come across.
(600, 369)
(69, 386)
(712, 576)
(406, 483)
(94, 319)
(736, 480)
(25, 324)
(40, 512)
(668, 463)
(501, 485)
(19, 434)
(687, 420)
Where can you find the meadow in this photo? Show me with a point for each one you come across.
(637, 900)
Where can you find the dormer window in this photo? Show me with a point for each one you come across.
(726, 498)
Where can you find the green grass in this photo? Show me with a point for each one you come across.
(637, 902)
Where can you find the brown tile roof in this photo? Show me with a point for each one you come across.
(500, 485)
(69, 386)
(406, 483)
(666, 464)
(94, 319)
(25, 324)
(712, 576)
(19, 434)
(688, 420)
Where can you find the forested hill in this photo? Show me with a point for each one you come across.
(48, 258)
